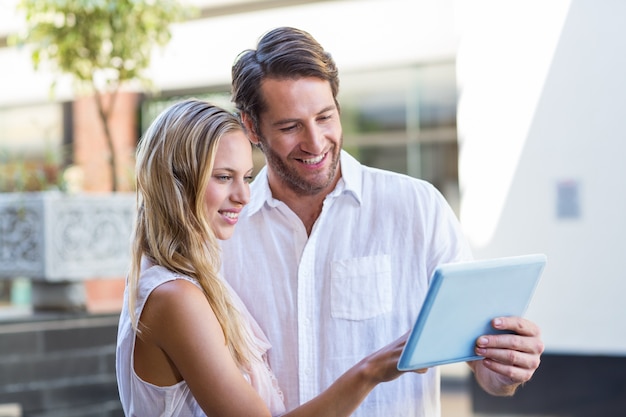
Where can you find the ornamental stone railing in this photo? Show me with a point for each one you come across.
(59, 240)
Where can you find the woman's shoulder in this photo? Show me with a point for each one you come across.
(168, 295)
(178, 293)
(177, 290)
(177, 304)
(154, 276)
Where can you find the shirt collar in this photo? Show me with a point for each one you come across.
(259, 192)
(349, 183)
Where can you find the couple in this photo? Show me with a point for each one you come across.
(330, 264)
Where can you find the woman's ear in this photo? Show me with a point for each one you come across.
(247, 123)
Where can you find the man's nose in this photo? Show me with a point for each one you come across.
(314, 140)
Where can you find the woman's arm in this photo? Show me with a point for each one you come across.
(182, 324)
(347, 392)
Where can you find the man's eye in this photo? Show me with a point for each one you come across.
(288, 129)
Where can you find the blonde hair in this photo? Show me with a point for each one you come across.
(174, 162)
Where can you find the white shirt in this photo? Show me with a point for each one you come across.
(355, 284)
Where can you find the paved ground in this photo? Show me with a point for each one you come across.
(456, 404)
(455, 397)
(459, 404)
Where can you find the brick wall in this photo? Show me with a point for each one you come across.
(60, 365)
(90, 149)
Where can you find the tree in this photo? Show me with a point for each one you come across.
(102, 44)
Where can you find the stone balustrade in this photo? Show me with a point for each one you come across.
(58, 240)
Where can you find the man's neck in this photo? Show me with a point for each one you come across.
(307, 207)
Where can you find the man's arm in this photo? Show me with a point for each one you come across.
(510, 359)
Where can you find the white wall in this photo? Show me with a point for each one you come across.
(542, 105)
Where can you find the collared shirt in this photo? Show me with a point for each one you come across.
(327, 300)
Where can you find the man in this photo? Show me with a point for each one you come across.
(333, 258)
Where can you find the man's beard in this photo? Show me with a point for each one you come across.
(292, 178)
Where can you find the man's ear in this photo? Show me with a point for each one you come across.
(247, 123)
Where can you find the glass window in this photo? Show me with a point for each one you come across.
(32, 149)
(404, 120)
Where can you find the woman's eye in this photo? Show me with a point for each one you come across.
(223, 177)
(248, 178)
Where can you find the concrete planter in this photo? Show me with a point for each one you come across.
(59, 240)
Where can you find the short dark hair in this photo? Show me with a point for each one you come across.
(282, 53)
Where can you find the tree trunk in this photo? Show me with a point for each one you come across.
(105, 119)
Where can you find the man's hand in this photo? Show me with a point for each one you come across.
(510, 359)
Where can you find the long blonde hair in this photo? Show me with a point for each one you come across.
(174, 162)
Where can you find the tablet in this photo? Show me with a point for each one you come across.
(461, 301)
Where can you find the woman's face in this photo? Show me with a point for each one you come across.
(228, 189)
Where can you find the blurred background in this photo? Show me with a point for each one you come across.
(514, 110)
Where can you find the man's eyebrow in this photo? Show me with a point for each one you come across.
(288, 121)
(327, 109)
(284, 122)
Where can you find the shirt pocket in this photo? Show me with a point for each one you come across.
(361, 287)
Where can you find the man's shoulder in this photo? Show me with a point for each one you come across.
(381, 179)
(395, 180)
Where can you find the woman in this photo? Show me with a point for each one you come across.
(186, 344)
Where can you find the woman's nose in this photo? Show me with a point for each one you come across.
(241, 193)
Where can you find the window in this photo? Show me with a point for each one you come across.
(404, 120)
(32, 147)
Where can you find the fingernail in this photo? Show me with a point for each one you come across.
(482, 341)
(497, 322)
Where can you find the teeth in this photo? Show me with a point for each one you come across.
(230, 214)
(313, 161)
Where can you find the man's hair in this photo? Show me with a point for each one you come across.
(282, 53)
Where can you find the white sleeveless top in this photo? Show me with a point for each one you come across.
(142, 399)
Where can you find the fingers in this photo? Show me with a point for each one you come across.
(517, 366)
(514, 356)
(510, 375)
(517, 325)
(525, 338)
(387, 358)
(382, 364)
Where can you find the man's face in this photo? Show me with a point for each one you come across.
(300, 134)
